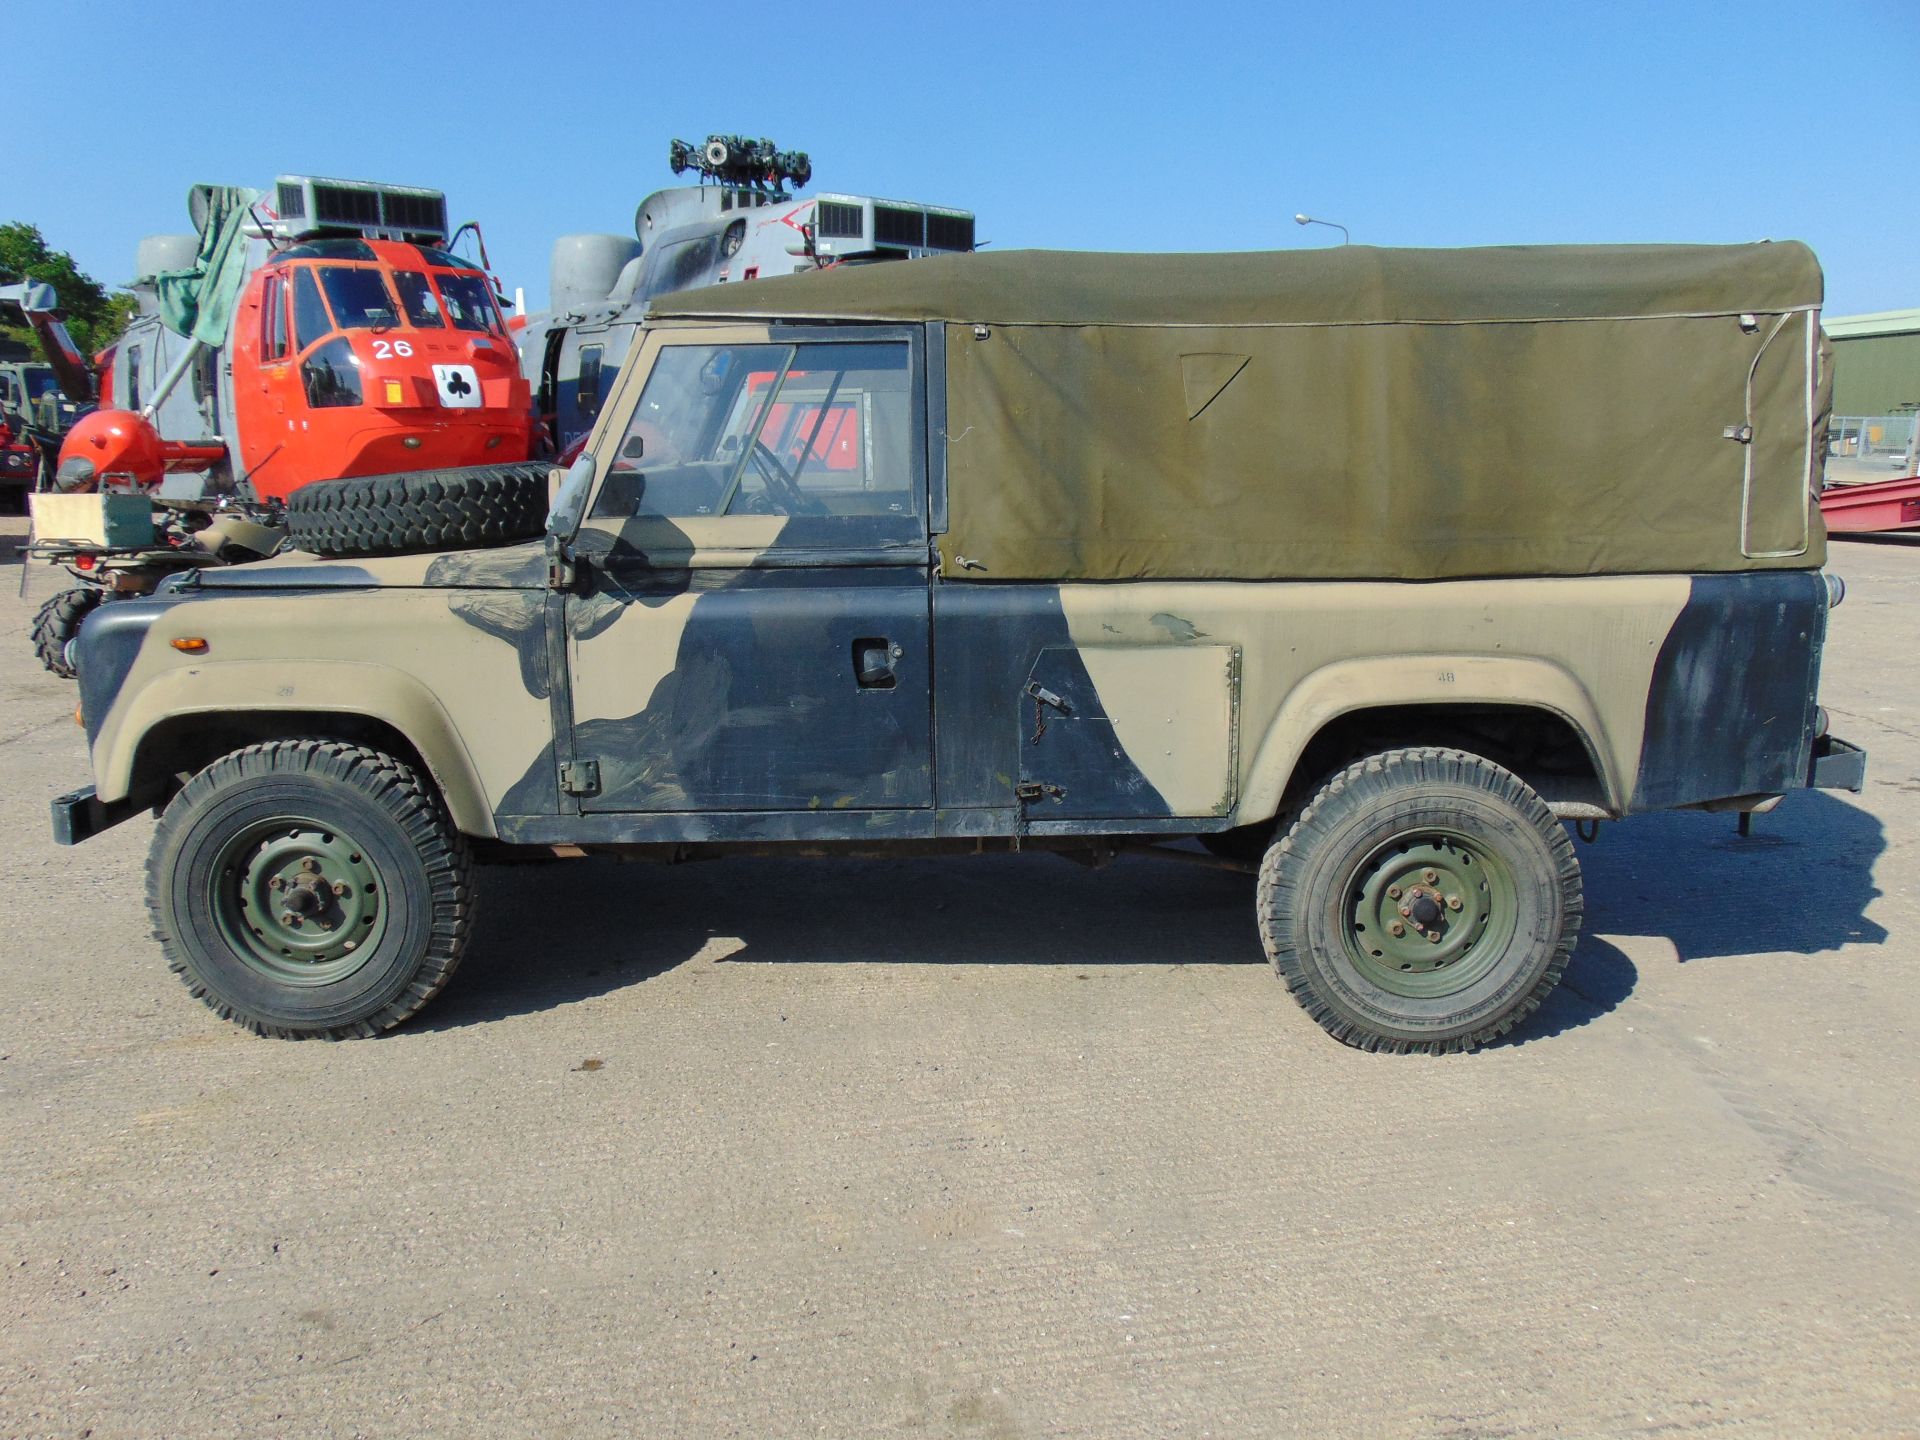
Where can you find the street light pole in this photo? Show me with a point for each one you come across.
(1345, 238)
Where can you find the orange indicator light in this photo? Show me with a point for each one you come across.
(190, 645)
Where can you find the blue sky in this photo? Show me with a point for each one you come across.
(1118, 126)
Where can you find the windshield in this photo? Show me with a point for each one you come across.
(39, 382)
(423, 306)
(359, 298)
(468, 303)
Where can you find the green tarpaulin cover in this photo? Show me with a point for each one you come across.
(198, 303)
(1360, 412)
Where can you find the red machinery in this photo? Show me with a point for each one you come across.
(1881, 505)
(349, 357)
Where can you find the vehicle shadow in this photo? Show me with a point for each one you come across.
(550, 935)
(556, 934)
(1800, 883)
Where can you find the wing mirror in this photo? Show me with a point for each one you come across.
(569, 505)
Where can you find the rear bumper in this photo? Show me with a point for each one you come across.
(1836, 765)
(83, 815)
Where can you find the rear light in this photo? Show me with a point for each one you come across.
(85, 562)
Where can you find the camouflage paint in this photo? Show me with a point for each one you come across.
(708, 666)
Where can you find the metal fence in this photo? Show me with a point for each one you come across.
(1872, 447)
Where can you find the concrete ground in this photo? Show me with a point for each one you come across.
(981, 1148)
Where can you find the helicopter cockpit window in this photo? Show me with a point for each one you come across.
(310, 318)
(467, 302)
(359, 298)
(423, 306)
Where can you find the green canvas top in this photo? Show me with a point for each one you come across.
(1358, 413)
(1348, 284)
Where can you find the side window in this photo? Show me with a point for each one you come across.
(133, 377)
(310, 318)
(811, 430)
(837, 440)
(690, 434)
(589, 388)
(273, 319)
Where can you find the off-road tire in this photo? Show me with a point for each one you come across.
(1311, 909)
(365, 799)
(58, 621)
(418, 510)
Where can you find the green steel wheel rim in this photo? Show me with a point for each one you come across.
(298, 902)
(1430, 912)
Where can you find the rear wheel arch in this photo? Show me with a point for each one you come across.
(1531, 716)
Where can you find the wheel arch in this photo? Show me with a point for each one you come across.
(182, 721)
(1531, 715)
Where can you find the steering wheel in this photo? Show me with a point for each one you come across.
(781, 485)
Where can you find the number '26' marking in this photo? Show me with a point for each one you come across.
(387, 349)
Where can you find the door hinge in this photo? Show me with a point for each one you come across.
(580, 777)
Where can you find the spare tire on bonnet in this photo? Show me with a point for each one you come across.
(456, 509)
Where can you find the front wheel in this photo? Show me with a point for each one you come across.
(310, 888)
(1424, 900)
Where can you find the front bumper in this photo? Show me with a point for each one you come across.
(83, 814)
(1836, 765)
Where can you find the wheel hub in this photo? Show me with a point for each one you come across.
(298, 902)
(1429, 913)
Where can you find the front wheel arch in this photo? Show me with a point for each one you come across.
(235, 701)
(181, 745)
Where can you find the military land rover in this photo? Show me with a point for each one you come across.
(1375, 567)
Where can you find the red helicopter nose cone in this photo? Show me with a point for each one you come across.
(116, 442)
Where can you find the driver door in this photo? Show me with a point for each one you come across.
(751, 628)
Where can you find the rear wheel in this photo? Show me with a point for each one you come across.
(1423, 900)
(58, 621)
(310, 888)
(457, 509)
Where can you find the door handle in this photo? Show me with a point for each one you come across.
(873, 661)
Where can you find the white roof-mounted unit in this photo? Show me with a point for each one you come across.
(309, 205)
